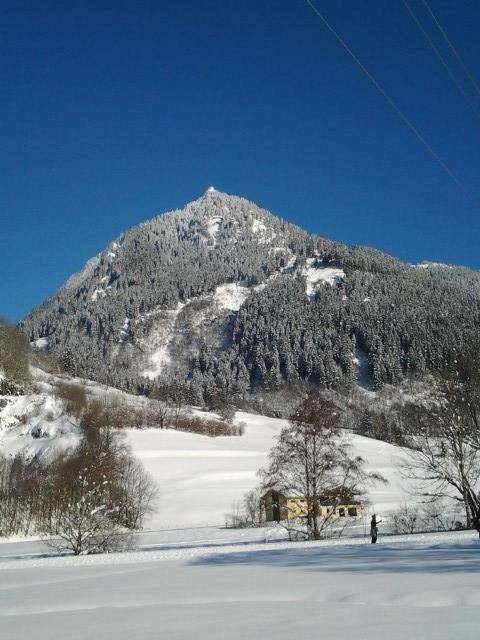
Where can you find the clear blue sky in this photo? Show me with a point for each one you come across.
(112, 112)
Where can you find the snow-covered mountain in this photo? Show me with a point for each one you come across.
(226, 299)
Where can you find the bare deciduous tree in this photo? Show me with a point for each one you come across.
(14, 353)
(444, 440)
(73, 396)
(312, 461)
(99, 492)
(405, 519)
(249, 512)
(85, 519)
(437, 517)
(139, 494)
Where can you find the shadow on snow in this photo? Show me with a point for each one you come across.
(358, 558)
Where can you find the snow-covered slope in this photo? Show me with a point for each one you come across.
(200, 478)
(35, 425)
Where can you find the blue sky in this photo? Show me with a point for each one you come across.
(112, 112)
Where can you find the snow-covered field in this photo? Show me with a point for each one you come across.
(200, 478)
(186, 580)
(417, 587)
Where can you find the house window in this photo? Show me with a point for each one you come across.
(352, 511)
(341, 512)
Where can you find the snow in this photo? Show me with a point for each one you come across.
(432, 265)
(124, 329)
(158, 362)
(420, 587)
(187, 581)
(318, 274)
(362, 370)
(258, 226)
(41, 343)
(35, 425)
(260, 230)
(159, 347)
(201, 478)
(213, 226)
(98, 293)
(231, 296)
(159, 343)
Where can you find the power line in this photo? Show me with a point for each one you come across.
(440, 57)
(452, 48)
(390, 101)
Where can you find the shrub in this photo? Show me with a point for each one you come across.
(73, 397)
(96, 495)
(206, 426)
(405, 519)
(249, 512)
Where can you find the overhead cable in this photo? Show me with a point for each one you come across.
(450, 73)
(390, 101)
(452, 48)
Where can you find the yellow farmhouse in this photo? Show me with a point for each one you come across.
(278, 506)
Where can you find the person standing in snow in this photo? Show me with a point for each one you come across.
(373, 528)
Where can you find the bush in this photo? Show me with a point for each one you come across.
(405, 519)
(249, 512)
(435, 517)
(96, 495)
(73, 397)
(206, 426)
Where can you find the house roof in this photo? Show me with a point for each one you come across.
(338, 496)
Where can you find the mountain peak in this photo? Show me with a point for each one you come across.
(169, 300)
(213, 194)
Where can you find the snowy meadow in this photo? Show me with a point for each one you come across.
(187, 580)
(418, 587)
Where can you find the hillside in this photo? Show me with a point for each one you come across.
(200, 478)
(228, 301)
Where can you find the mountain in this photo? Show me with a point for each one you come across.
(224, 299)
